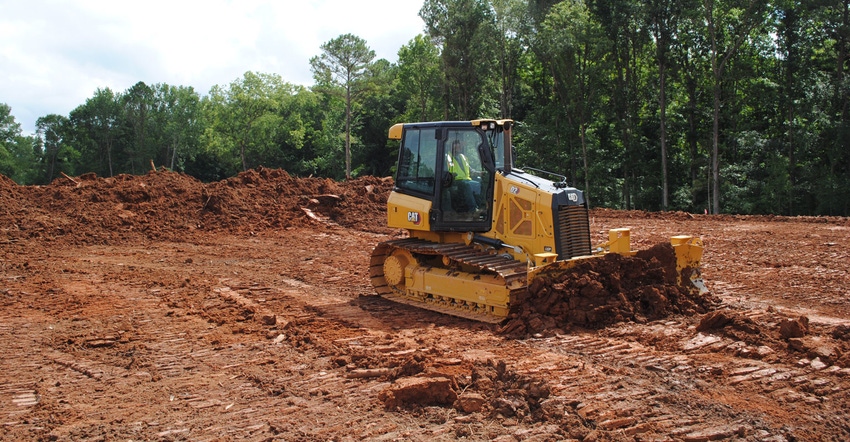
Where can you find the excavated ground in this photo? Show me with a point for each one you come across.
(157, 307)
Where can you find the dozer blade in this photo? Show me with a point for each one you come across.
(614, 285)
(688, 252)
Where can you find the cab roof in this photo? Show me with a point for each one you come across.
(397, 129)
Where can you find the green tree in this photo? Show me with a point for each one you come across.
(295, 110)
(243, 119)
(419, 78)
(570, 45)
(663, 17)
(512, 24)
(380, 110)
(58, 155)
(464, 32)
(139, 104)
(831, 177)
(18, 153)
(728, 26)
(690, 56)
(10, 130)
(324, 152)
(97, 126)
(627, 38)
(178, 124)
(344, 65)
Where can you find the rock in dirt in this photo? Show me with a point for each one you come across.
(815, 347)
(420, 391)
(841, 332)
(726, 318)
(794, 328)
(470, 402)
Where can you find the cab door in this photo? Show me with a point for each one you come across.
(464, 194)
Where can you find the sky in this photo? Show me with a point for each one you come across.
(54, 54)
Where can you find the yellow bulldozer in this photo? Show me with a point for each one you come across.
(481, 231)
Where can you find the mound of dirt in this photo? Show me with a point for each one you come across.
(599, 292)
(166, 205)
(8, 193)
(265, 198)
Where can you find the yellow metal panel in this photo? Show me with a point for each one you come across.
(395, 131)
(521, 218)
(545, 220)
(544, 258)
(526, 205)
(545, 224)
(408, 212)
(620, 240)
(524, 228)
(498, 208)
(500, 222)
(516, 214)
(688, 251)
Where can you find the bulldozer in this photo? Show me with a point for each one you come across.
(479, 231)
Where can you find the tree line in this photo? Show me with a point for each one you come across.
(726, 106)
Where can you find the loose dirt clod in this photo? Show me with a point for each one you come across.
(419, 391)
(794, 328)
(725, 318)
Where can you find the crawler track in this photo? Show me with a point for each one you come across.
(457, 258)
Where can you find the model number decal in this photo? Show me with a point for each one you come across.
(514, 190)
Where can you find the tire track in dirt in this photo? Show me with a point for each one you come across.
(624, 387)
(595, 386)
(18, 396)
(625, 374)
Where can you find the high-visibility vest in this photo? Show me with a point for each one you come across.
(459, 167)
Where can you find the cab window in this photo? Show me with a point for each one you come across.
(418, 161)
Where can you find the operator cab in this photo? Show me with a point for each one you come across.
(452, 165)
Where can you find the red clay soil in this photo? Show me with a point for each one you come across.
(158, 307)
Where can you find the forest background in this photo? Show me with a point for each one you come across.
(724, 106)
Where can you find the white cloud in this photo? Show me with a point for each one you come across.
(55, 54)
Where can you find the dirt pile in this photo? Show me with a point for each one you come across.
(599, 292)
(271, 198)
(9, 196)
(166, 205)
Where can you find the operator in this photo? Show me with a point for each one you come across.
(458, 166)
